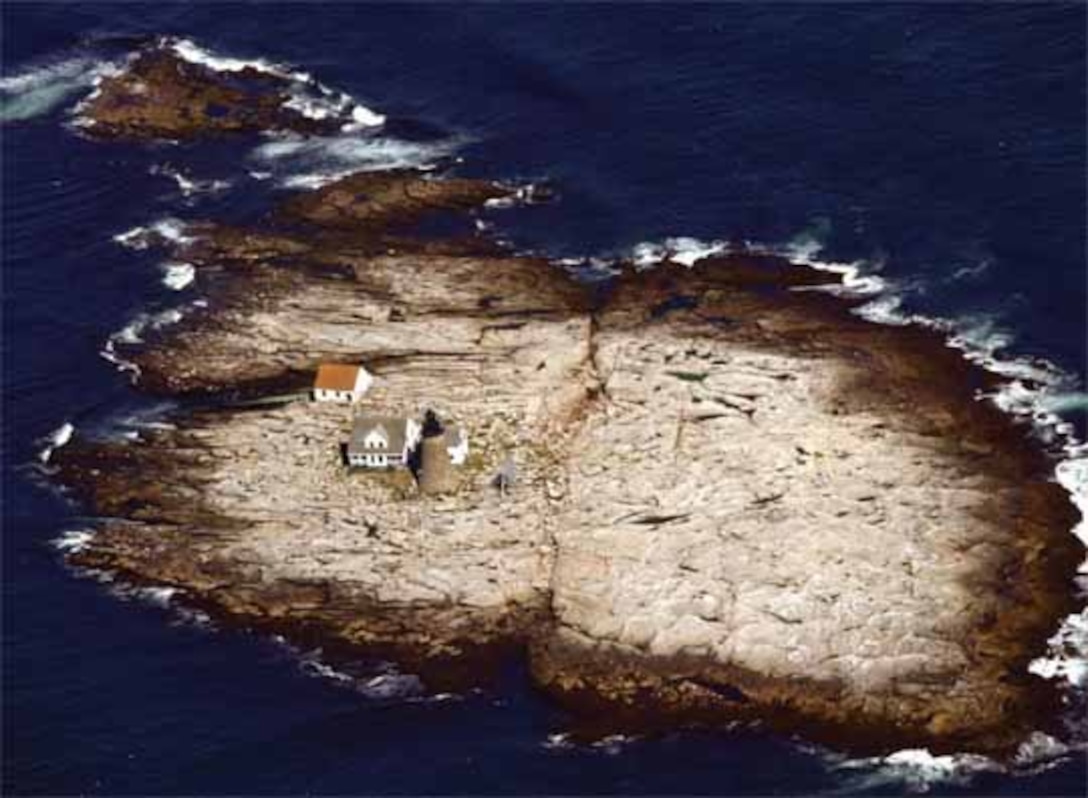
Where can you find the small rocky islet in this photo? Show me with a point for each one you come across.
(735, 499)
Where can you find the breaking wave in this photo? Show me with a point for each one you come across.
(917, 771)
(132, 334)
(295, 161)
(913, 770)
(309, 96)
(681, 250)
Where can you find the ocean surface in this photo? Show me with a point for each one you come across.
(938, 149)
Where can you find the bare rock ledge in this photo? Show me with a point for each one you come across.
(736, 501)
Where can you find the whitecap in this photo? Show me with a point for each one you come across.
(56, 439)
(178, 276)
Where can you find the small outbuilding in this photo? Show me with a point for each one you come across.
(341, 382)
(382, 441)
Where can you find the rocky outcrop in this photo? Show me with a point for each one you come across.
(163, 96)
(735, 500)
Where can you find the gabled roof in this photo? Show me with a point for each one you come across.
(336, 377)
(394, 429)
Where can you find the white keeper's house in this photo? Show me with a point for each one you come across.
(338, 382)
(382, 441)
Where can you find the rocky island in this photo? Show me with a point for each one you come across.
(735, 499)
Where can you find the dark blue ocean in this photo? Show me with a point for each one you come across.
(941, 146)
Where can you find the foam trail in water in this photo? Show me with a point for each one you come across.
(313, 161)
(38, 90)
(56, 439)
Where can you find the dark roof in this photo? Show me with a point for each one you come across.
(393, 428)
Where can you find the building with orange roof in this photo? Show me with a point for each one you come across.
(341, 382)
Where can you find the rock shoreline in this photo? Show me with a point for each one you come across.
(737, 500)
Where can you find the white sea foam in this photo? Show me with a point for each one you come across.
(190, 51)
(1040, 752)
(391, 685)
(56, 439)
(73, 540)
(682, 250)
(190, 186)
(157, 595)
(559, 741)
(804, 251)
(613, 744)
(312, 161)
(313, 666)
(591, 269)
(913, 770)
(1067, 658)
(167, 230)
(37, 90)
(132, 334)
(524, 194)
(178, 276)
(308, 96)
